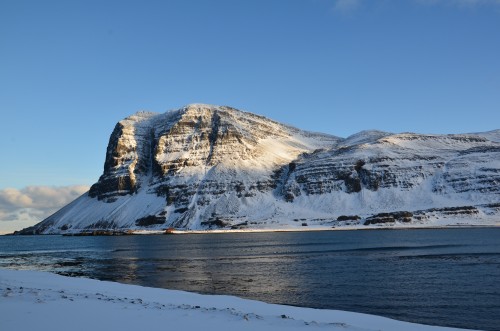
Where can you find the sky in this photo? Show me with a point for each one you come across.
(69, 70)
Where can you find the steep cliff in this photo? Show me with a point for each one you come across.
(205, 167)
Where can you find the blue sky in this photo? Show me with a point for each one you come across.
(69, 70)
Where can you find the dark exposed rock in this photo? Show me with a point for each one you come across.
(181, 210)
(215, 223)
(111, 187)
(481, 149)
(36, 229)
(463, 210)
(99, 233)
(379, 220)
(359, 165)
(348, 218)
(150, 220)
(289, 197)
(242, 225)
(102, 224)
(32, 230)
(400, 216)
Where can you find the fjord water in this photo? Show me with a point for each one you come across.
(447, 277)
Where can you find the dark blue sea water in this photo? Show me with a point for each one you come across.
(445, 277)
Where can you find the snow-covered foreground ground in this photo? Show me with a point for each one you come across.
(32, 300)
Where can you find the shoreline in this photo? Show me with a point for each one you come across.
(57, 303)
(262, 230)
(325, 229)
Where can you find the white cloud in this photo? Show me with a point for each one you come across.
(30, 205)
(345, 6)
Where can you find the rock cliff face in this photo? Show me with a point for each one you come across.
(205, 167)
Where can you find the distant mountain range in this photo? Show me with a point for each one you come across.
(214, 167)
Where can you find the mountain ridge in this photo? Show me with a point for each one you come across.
(208, 167)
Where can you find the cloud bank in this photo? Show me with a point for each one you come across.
(30, 205)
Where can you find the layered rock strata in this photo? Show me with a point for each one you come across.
(206, 167)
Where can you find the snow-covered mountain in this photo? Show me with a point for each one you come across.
(207, 167)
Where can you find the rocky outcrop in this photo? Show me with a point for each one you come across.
(206, 167)
(400, 216)
(403, 161)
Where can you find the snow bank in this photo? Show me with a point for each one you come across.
(36, 300)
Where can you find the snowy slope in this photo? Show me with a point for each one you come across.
(31, 300)
(211, 167)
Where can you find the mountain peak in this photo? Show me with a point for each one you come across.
(201, 106)
(365, 136)
(205, 166)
